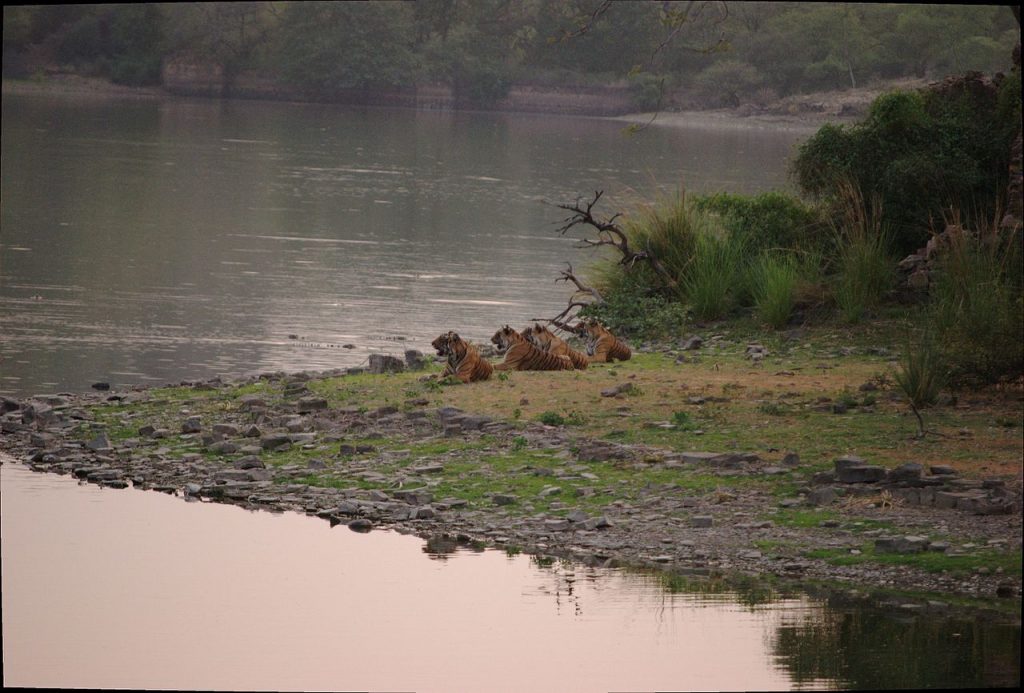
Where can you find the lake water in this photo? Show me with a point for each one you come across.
(136, 589)
(159, 241)
(156, 241)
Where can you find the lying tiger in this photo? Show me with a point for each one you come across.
(521, 355)
(546, 340)
(602, 345)
(464, 361)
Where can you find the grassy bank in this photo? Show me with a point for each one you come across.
(821, 393)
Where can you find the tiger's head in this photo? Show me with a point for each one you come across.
(592, 329)
(449, 344)
(530, 334)
(504, 338)
(541, 337)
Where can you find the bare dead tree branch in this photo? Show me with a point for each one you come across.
(609, 234)
(567, 275)
(588, 23)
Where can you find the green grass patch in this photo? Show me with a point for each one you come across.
(930, 561)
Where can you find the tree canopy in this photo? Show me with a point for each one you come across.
(725, 50)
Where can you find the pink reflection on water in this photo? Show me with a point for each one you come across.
(111, 589)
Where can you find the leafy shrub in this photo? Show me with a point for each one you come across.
(917, 153)
(729, 82)
(767, 220)
(632, 310)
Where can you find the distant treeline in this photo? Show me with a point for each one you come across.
(724, 52)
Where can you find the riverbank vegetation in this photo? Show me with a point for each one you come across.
(715, 54)
(902, 218)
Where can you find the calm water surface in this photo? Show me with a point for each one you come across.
(151, 242)
(136, 589)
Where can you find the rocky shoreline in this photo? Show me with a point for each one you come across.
(664, 528)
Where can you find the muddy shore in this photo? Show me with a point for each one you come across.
(238, 452)
(800, 113)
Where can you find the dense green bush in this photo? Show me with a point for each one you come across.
(919, 153)
(632, 310)
(767, 220)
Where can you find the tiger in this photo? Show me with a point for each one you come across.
(521, 355)
(464, 361)
(602, 345)
(546, 340)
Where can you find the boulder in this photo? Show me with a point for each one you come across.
(382, 363)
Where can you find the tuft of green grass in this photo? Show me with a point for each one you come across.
(774, 278)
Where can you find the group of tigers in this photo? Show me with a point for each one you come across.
(534, 349)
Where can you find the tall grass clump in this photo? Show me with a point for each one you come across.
(705, 262)
(864, 262)
(976, 306)
(774, 279)
(669, 229)
(713, 282)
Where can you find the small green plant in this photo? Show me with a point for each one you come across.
(921, 376)
(517, 413)
(503, 376)
(771, 409)
(518, 443)
(551, 418)
(683, 421)
(847, 398)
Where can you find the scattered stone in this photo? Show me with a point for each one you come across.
(577, 516)
(223, 447)
(225, 429)
(101, 386)
(854, 470)
(702, 521)
(360, 525)
(100, 442)
(596, 523)
(382, 363)
(310, 404)
(692, 344)
(821, 496)
(275, 442)
(503, 499)
(192, 425)
(414, 360)
(911, 471)
(251, 462)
